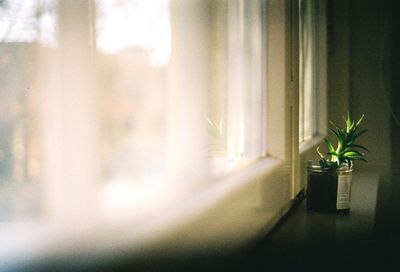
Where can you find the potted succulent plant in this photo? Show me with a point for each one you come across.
(329, 180)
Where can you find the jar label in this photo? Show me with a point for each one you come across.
(343, 192)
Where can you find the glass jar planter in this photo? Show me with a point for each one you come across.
(328, 190)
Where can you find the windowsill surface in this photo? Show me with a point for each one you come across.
(366, 237)
(304, 226)
(308, 240)
(42, 241)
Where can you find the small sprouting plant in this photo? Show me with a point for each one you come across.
(346, 150)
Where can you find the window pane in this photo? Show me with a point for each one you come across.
(133, 51)
(109, 104)
(28, 21)
(308, 109)
(27, 29)
(237, 128)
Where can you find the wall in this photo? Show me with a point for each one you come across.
(369, 89)
(338, 59)
(395, 86)
(359, 74)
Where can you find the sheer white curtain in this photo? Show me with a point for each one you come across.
(114, 113)
(113, 106)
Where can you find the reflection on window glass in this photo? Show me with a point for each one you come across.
(27, 21)
(26, 28)
(145, 25)
(308, 33)
(236, 128)
(133, 48)
(87, 107)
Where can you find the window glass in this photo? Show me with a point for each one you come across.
(133, 40)
(237, 122)
(118, 103)
(308, 79)
(28, 21)
(27, 29)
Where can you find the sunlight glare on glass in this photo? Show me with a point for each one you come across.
(28, 21)
(140, 23)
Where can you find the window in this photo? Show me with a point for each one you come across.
(238, 92)
(312, 81)
(26, 28)
(122, 110)
(311, 78)
(132, 57)
(119, 102)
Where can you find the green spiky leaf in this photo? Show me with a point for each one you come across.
(334, 132)
(352, 153)
(360, 120)
(358, 134)
(358, 146)
(346, 150)
(320, 154)
(329, 145)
